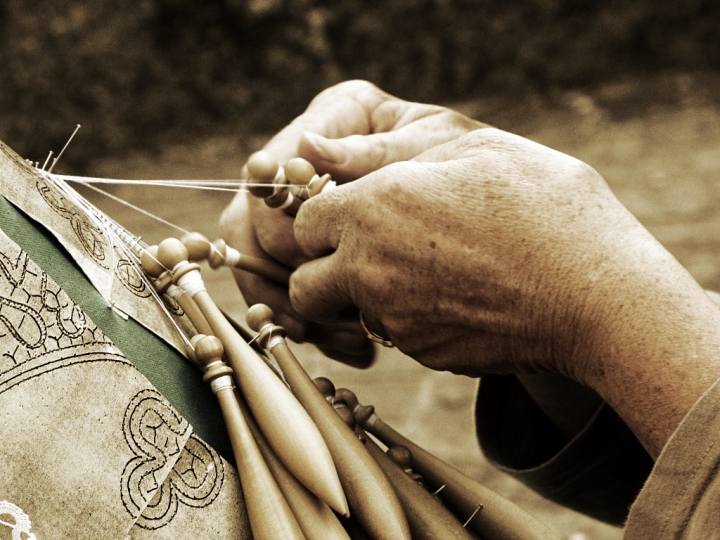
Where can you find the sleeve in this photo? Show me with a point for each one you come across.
(681, 499)
(599, 472)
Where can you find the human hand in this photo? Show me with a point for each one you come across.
(490, 253)
(348, 131)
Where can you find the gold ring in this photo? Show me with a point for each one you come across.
(372, 336)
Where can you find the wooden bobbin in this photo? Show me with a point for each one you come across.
(263, 168)
(315, 518)
(427, 517)
(370, 495)
(163, 283)
(262, 267)
(269, 513)
(487, 513)
(286, 425)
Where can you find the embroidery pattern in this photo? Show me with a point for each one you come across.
(154, 433)
(41, 328)
(20, 524)
(195, 481)
(92, 238)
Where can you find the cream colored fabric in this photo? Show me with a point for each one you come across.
(88, 448)
(681, 499)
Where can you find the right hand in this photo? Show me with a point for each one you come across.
(348, 130)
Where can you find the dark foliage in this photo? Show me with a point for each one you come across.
(137, 73)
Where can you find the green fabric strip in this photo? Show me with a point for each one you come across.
(179, 381)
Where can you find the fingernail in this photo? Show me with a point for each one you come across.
(323, 147)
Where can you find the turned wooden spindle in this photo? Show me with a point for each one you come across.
(428, 519)
(402, 456)
(269, 514)
(488, 513)
(263, 168)
(370, 495)
(163, 283)
(286, 425)
(222, 254)
(315, 518)
(218, 253)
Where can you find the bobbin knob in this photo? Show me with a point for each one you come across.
(258, 316)
(348, 396)
(401, 455)
(299, 171)
(208, 349)
(197, 245)
(150, 263)
(326, 387)
(170, 252)
(262, 168)
(218, 253)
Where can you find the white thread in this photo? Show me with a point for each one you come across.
(221, 383)
(277, 340)
(288, 201)
(192, 283)
(174, 292)
(232, 256)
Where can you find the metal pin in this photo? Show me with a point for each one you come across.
(63, 150)
(473, 515)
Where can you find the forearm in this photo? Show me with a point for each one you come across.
(656, 349)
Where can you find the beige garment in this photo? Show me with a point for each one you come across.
(681, 499)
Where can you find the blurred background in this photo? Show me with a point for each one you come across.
(183, 89)
(140, 73)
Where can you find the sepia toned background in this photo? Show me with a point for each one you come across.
(181, 89)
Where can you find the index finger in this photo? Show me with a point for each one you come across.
(342, 110)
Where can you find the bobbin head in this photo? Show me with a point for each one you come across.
(217, 253)
(171, 251)
(208, 350)
(349, 397)
(150, 263)
(299, 171)
(259, 315)
(401, 455)
(326, 387)
(262, 168)
(197, 245)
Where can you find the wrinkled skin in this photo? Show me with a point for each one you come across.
(348, 131)
(478, 251)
